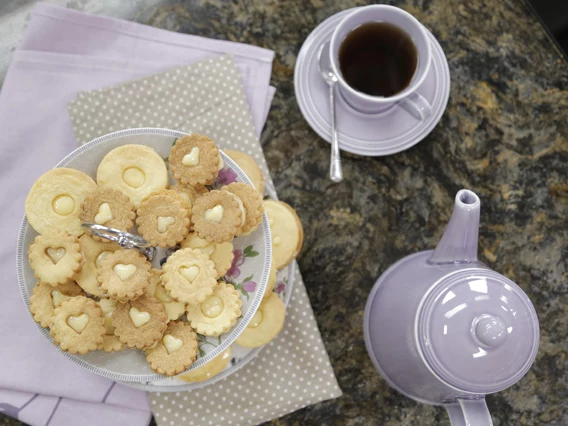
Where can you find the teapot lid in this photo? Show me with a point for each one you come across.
(478, 331)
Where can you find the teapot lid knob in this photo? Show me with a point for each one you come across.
(477, 330)
(490, 330)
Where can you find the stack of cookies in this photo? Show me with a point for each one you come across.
(93, 294)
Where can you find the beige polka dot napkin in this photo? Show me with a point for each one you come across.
(207, 97)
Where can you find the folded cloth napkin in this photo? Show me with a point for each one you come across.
(37, 384)
(294, 370)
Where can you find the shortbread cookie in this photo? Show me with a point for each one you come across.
(55, 200)
(217, 313)
(250, 168)
(189, 276)
(175, 351)
(124, 275)
(135, 170)
(252, 204)
(221, 254)
(55, 257)
(108, 207)
(195, 160)
(163, 218)
(110, 343)
(209, 370)
(190, 193)
(45, 298)
(140, 323)
(266, 323)
(287, 232)
(218, 216)
(174, 309)
(77, 325)
(271, 280)
(93, 253)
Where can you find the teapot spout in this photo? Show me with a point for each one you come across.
(459, 242)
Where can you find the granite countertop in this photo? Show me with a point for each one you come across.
(504, 135)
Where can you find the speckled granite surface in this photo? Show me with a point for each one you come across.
(504, 135)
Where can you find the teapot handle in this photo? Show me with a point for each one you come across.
(469, 412)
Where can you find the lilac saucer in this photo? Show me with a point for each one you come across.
(380, 134)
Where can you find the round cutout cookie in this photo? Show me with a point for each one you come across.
(135, 170)
(266, 323)
(287, 232)
(55, 199)
(249, 166)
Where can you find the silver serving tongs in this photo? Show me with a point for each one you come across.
(122, 238)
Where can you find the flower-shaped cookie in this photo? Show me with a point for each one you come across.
(287, 232)
(218, 216)
(266, 323)
(55, 257)
(189, 276)
(252, 204)
(217, 313)
(221, 254)
(195, 160)
(124, 274)
(93, 253)
(250, 168)
(190, 193)
(174, 309)
(140, 323)
(163, 218)
(55, 199)
(77, 325)
(175, 351)
(111, 343)
(45, 298)
(108, 207)
(209, 370)
(135, 170)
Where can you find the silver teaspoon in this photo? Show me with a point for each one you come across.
(324, 61)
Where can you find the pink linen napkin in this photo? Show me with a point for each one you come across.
(61, 55)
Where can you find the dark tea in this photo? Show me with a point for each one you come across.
(378, 59)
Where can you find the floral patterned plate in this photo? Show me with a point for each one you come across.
(239, 356)
(249, 272)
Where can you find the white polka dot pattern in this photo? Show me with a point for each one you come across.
(207, 97)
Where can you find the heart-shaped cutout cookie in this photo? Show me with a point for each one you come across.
(189, 273)
(139, 318)
(215, 214)
(104, 214)
(78, 323)
(164, 223)
(191, 159)
(124, 271)
(172, 343)
(55, 254)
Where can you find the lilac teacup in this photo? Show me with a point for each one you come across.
(393, 59)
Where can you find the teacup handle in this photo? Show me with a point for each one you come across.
(417, 106)
(469, 412)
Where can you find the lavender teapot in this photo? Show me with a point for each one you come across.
(444, 329)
